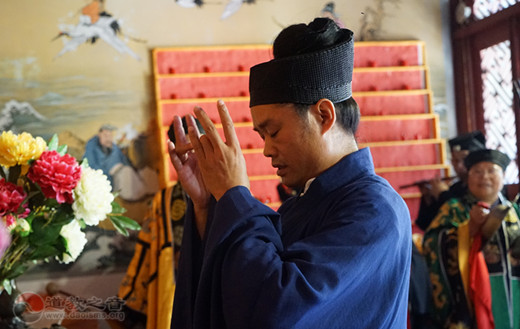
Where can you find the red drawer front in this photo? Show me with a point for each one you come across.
(393, 104)
(258, 165)
(388, 80)
(247, 138)
(265, 190)
(369, 106)
(399, 178)
(381, 55)
(216, 60)
(204, 87)
(406, 155)
(395, 130)
(413, 206)
(238, 110)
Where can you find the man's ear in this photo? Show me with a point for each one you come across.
(325, 114)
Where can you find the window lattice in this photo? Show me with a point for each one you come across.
(485, 8)
(499, 117)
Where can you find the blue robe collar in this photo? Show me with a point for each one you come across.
(348, 169)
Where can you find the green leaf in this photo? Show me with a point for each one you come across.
(84, 163)
(45, 251)
(52, 145)
(44, 233)
(117, 208)
(119, 227)
(126, 222)
(62, 149)
(14, 173)
(7, 286)
(64, 214)
(2, 173)
(51, 203)
(17, 270)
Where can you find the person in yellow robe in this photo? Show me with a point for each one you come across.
(149, 284)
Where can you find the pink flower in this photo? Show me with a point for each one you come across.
(9, 220)
(57, 175)
(5, 238)
(11, 198)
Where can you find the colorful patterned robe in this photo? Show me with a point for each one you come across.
(444, 246)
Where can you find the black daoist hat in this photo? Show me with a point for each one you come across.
(471, 141)
(493, 156)
(306, 78)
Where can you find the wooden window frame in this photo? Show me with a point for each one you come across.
(466, 42)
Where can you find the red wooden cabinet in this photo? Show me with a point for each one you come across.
(390, 84)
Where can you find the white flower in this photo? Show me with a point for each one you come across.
(75, 239)
(92, 197)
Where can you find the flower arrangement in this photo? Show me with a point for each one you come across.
(46, 199)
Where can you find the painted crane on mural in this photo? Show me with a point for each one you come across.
(330, 12)
(231, 8)
(190, 3)
(94, 23)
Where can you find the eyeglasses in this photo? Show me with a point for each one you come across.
(478, 172)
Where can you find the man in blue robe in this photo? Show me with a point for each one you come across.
(335, 256)
(102, 153)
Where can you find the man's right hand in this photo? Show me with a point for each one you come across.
(222, 163)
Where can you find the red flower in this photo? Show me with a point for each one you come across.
(56, 175)
(11, 198)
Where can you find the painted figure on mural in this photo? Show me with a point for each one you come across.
(131, 183)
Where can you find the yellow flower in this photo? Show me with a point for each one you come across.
(19, 149)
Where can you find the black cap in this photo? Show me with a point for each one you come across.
(493, 156)
(306, 78)
(471, 141)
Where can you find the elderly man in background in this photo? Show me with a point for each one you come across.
(474, 289)
(436, 191)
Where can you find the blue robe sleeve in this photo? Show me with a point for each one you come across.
(250, 279)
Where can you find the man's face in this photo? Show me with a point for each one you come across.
(485, 180)
(290, 140)
(106, 137)
(457, 161)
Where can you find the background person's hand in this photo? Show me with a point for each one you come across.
(438, 186)
(426, 193)
(477, 216)
(222, 163)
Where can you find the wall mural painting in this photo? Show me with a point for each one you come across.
(14, 111)
(372, 19)
(95, 23)
(88, 113)
(330, 12)
(232, 6)
(120, 153)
